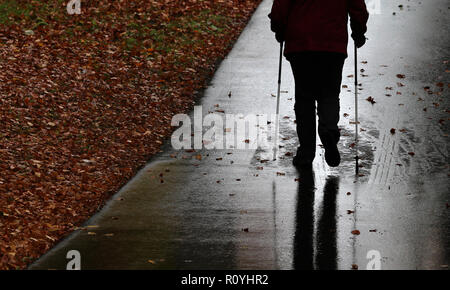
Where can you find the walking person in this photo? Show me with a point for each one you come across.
(315, 36)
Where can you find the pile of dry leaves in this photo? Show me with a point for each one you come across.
(86, 99)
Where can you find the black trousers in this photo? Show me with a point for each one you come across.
(318, 77)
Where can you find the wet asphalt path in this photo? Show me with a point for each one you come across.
(231, 210)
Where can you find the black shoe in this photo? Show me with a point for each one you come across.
(332, 156)
(301, 162)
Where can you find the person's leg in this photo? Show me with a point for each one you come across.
(328, 105)
(305, 109)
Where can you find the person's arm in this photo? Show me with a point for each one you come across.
(358, 20)
(278, 18)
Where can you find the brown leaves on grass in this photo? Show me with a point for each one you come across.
(87, 99)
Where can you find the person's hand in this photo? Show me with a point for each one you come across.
(360, 40)
(279, 37)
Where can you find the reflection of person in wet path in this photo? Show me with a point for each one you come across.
(325, 250)
(326, 254)
(304, 229)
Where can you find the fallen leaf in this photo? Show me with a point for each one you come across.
(371, 100)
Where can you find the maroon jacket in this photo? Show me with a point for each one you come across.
(318, 25)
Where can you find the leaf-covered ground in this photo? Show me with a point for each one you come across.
(86, 99)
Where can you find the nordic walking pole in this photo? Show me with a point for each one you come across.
(277, 124)
(356, 109)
